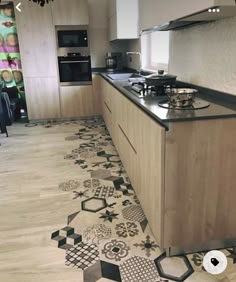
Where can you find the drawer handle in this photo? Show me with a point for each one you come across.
(107, 107)
(121, 129)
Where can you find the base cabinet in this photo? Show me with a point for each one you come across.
(42, 97)
(184, 177)
(77, 101)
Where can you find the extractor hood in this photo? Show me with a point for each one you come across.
(205, 16)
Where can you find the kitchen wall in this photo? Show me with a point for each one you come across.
(133, 60)
(205, 55)
(98, 29)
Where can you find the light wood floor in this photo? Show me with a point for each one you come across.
(32, 165)
(32, 206)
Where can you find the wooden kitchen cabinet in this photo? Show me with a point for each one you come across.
(42, 97)
(37, 40)
(155, 12)
(70, 12)
(77, 101)
(184, 177)
(39, 60)
(123, 19)
(97, 95)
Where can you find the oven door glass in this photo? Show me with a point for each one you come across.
(75, 70)
(72, 38)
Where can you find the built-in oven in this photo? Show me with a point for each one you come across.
(75, 70)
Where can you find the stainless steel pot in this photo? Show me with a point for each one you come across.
(160, 80)
(181, 97)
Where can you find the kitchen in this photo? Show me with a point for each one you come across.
(150, 186)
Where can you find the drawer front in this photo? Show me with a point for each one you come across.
(128, 155)
(107, 115)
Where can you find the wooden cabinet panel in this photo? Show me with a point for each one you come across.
(70, 12)
(42, 98)
(97, 95)
(128, 155)
(37, 40)
(107, 115)
(121, 24)
(77, 101)
(200, 182)
(150, 148)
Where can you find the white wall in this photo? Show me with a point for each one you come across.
(206, 55)
(98, 32)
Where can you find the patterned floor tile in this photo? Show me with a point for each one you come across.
(117, 243)
(115, 250)
(138, 269)
(82, 255)
(93, 204)
(174, 268)
(134, 213)
(94, 234)
(127, 229)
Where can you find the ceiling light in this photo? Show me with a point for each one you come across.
(209, 10)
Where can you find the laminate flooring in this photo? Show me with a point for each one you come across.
(68, 212)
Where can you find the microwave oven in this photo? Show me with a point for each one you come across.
(72, 39)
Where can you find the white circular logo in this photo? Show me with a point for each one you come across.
(215, 262)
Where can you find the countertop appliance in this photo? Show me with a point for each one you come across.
(72, 39)
(114, 62)
(75, 69)
(159, 92)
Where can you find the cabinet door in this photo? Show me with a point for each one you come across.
(128, 155)
(97, 95)
(150, 152)
(37, 40)
(127, 19)
(77, 101)
(70, 12)
(123, 19)
(42, 98)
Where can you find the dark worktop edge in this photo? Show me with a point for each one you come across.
(222, 99)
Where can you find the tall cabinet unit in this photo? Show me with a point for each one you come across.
(39, 60)
(70, 12)
(123, 19)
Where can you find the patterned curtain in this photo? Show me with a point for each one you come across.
(10, 63)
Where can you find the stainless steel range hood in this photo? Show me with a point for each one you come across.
(205, 16)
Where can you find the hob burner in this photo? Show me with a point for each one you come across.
(196, 105)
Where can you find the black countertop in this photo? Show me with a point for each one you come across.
(221, 105)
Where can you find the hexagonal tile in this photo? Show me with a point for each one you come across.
(93, 204)
(134, 213)
(138, 269)
(82, 255)
(101, 173)
(174, 268)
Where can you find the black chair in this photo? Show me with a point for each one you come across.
(3, 127)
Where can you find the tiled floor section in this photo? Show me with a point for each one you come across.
(69, 213)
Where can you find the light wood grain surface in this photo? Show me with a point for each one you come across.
(32, 206)
(70, 12)
(77, 101)
(200, 182)
(42, 98)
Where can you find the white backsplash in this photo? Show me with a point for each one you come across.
(206, 55)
